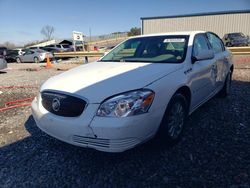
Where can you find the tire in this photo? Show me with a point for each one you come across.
(174, 120)
(36, 60)
(225, 91)
(18, 60)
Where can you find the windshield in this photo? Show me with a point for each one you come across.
(154, 49)
(236, 35)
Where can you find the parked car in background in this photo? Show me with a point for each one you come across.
(48, 49)
(11, 55)
(235, 39)
(19, 50)
(110, 47)
(145, 86)
(102, 48)
(36, 48)
(3, 63)
(105, 48)
(51, 49)
(35, 56)
(3, 51)
(61, 47)
(68, 48)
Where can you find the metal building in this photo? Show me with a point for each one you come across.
(217, 22)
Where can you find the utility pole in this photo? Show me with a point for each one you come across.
(89, 34)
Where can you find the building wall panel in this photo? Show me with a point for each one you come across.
(219, 24)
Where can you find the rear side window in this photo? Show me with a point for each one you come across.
(65, 46)
(200, 43)
(216, 43)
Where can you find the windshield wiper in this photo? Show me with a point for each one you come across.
(109, 60)
(142, 61)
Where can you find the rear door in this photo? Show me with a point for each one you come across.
(221, 59)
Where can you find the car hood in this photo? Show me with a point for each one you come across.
(99, 80)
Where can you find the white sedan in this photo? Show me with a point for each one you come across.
(35, 56)
(145, 86)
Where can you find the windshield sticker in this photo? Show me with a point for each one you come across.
(174, 40)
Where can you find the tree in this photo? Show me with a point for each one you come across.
(134, 31)
(8, 44)
(31, 43)
(47, 31)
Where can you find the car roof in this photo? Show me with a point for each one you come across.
(171, 33)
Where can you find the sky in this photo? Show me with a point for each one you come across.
(22, 20)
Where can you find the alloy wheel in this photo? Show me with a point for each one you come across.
(176, 120)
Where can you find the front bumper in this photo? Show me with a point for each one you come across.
(44, 58)
(88, 130)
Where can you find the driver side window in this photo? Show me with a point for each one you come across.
(200, 43)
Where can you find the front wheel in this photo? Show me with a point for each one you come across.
(18, 60)
(174, 119)
(36, 60)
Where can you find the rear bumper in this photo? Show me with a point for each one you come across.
(239, 43)
(3, 64)
(45, 59)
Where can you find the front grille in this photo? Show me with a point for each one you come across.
(62, 104)
(105, 143)
(88, 141)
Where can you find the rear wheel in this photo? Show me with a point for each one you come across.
(174, 119)
(36, 60)
(228, 44)
(225, 91)
(18, 60)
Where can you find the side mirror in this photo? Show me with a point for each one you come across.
(203, 55)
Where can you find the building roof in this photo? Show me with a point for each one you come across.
(199, 14)
(53, 41)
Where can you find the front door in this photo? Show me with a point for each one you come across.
(28, 56)
(202, 76)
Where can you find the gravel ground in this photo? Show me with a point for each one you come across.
(214, 151)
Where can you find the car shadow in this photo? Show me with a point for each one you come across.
(3, 72)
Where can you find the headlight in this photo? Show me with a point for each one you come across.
(127, 104)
